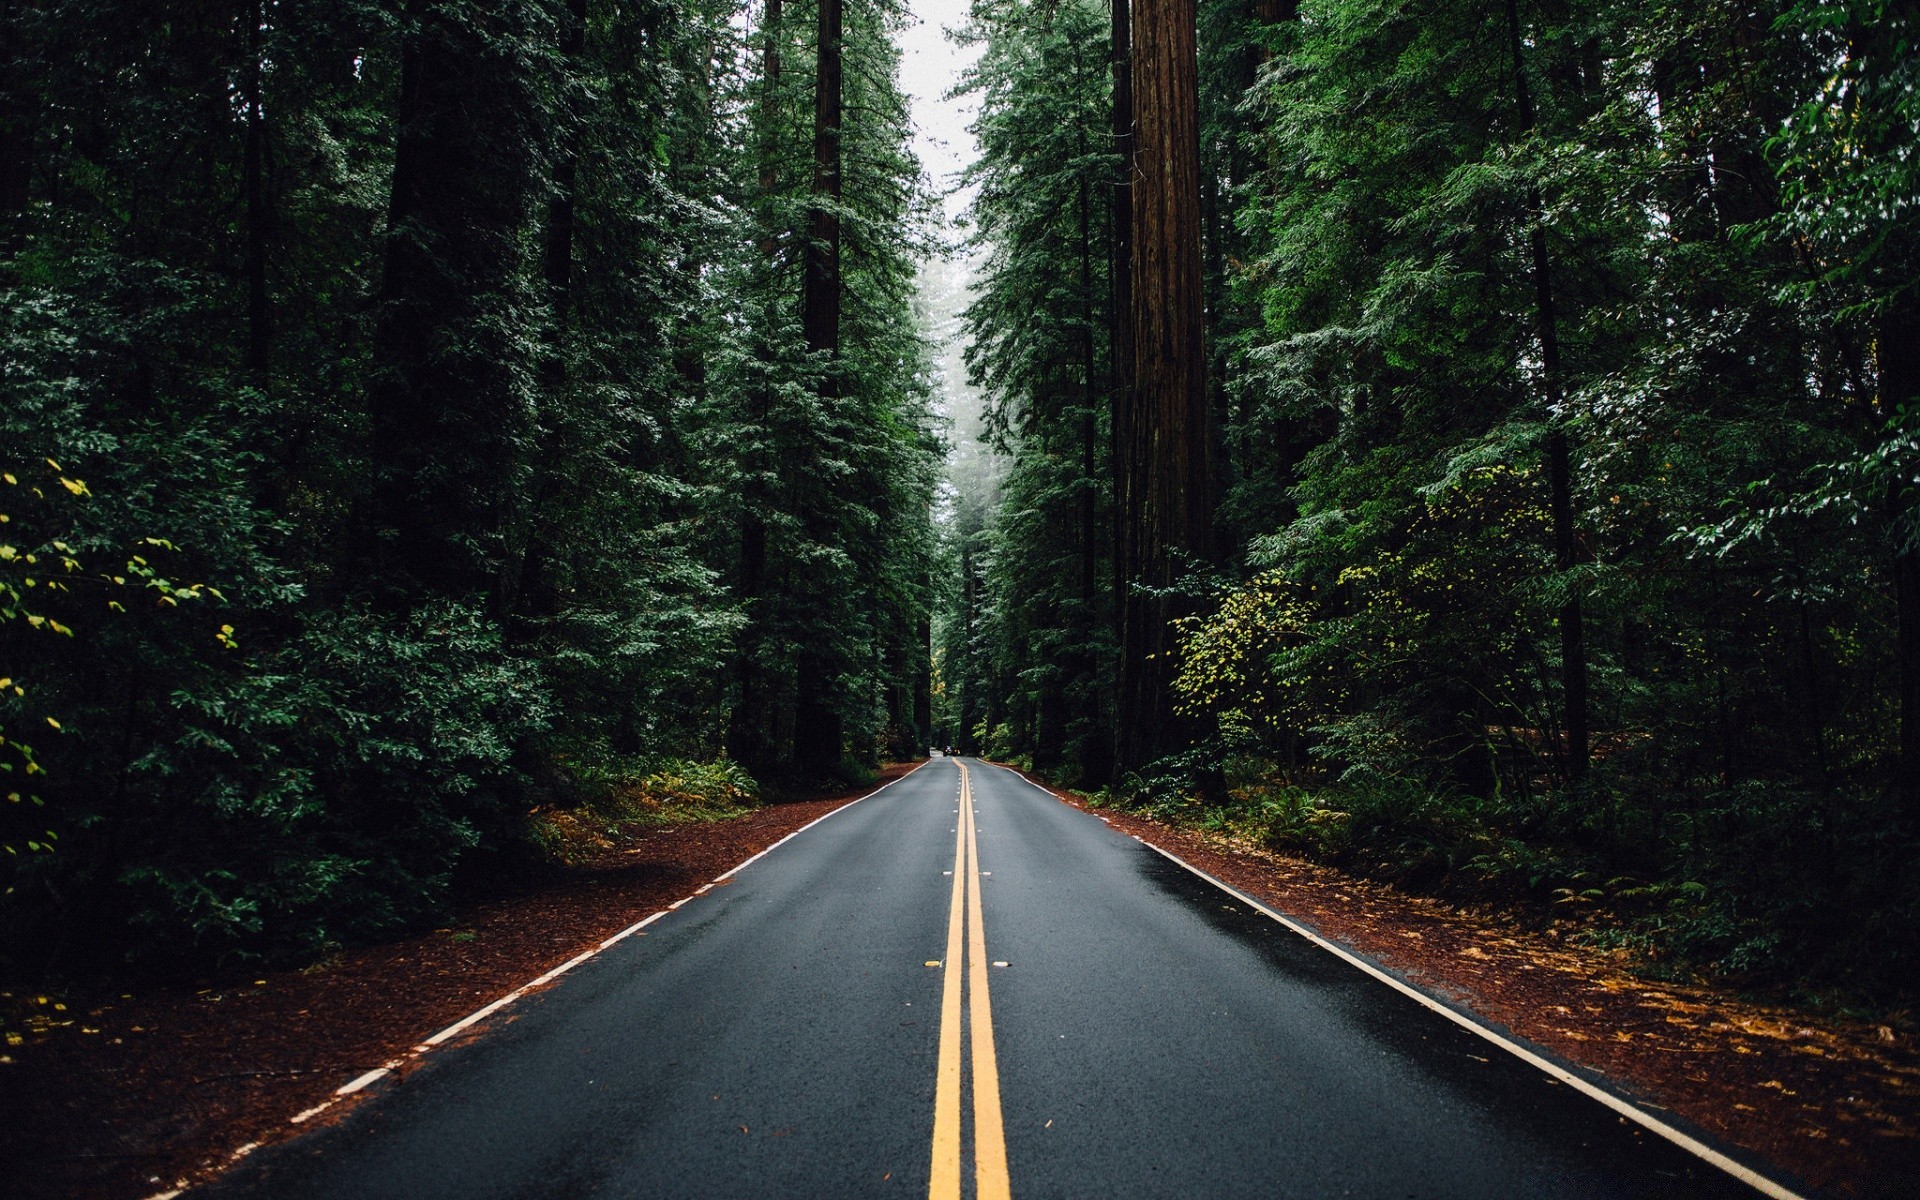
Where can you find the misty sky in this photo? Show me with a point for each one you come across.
(930, 65)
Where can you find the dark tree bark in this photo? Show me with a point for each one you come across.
(968, 711)
(820, 279)
(817, 731)
(1095, 743)
(923, 673)
(558, 264)
(1120, 336)
(529, 588)
(254, 169)
(1273, 12)
(747, 729)
(449, 416)
(1898, 352)
(19, 121)
(1573, 650)
(1165, 475)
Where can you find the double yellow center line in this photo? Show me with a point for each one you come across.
(964, 927)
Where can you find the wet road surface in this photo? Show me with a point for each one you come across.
(818, 1025)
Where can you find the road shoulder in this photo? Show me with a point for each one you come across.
(138, 1094)
(1834, 1103)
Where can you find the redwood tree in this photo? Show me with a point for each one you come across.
(817, 732)
(1162, 442)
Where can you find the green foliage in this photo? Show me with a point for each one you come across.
(827, 488)
(1664, 253)
(439, 386)
(1028, 649)
(1725, 203)
(621, 797)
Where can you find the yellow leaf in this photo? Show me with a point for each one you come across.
(53, 722)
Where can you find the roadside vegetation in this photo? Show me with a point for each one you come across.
(617, 801)
(1558, 444)
(437, 436)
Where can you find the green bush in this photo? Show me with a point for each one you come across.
(617, 797)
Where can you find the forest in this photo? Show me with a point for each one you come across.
(1476, 445)
(419, 415)
(1471, 444)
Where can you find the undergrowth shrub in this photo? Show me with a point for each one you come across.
(1743, 883)
(616, 797)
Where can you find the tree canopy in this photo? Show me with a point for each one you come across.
(388, 387)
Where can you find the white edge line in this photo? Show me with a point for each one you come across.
(1692, 1145)
(810, 824)
(482, 1014)
(474, 1017)
(376, 1074)
(632, 929)
(466, 1022)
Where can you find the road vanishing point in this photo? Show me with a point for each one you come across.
(959, 986)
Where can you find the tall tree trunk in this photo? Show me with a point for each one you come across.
(1165, 498)
(19, 121)
(1095, 748)
(817, 731)
(528, 587)
(449, 414)
(968, 709)
(558, 264)
(1573, 650)
(923, 668)
(748, 733)
(1120, 333)
(820, 281)
(1898, 354)
(254, 168)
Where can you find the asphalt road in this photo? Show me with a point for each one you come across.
(798, 1030)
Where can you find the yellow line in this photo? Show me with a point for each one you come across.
(989, 1131)
(945, 1181)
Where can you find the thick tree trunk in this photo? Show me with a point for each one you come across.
(817, 731)
(1573, 650)
(820, 283)
(747, 729)
(19, 121)
(1095, 748)
(1166, 522)
(254, 169)
(968, 710)
(528, 588)
(449, 415)
(558, 266)
(1898, 354)
(1120, 331)
(923, 673)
